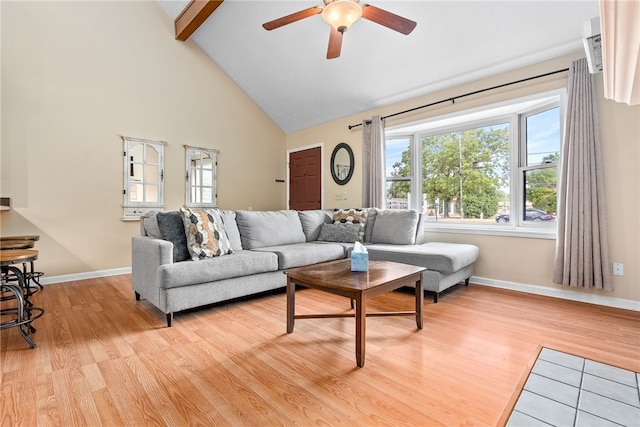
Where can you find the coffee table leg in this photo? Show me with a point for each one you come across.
(361, 327)
(291, 304)
(419, 302)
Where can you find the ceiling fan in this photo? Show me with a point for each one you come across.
(340, 15)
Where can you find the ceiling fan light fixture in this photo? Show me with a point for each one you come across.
(341, 14)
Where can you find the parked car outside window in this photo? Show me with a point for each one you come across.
(530, 215)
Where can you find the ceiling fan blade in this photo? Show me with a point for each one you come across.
(388, 19)
(280, 22)
(335, 43)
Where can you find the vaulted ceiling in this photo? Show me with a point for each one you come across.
(285, 71)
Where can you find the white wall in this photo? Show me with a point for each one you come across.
(75, 76)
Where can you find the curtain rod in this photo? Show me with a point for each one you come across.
(453, 99)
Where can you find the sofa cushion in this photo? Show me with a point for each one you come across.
(344, 233)
(307, 253)
(237, 264)
(368, 226)
(172, 229)
(230, 225)
(312, 222)
(396, 227)
(149, 225)
(269, 228)
(445, 258)
(205, 232)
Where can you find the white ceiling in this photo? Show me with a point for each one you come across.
(286, 73)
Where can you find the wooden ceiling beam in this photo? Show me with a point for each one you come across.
(196, 12)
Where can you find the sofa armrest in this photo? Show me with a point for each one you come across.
(147, 254)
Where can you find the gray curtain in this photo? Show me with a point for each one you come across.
(373, 170)
(582, 250)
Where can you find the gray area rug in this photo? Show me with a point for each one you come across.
(569, 391)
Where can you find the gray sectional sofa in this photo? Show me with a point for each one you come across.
(264, 243)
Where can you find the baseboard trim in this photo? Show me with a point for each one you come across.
(83, 276)
(567, 294)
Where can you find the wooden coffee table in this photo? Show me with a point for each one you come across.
(337, 278)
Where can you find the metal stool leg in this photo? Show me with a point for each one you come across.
(20, 321)
(20, 292)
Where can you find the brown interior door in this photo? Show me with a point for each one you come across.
(305, 183)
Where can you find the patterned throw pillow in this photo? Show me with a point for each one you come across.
(206, 235)
(351, 216)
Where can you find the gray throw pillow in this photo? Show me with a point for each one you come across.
(172, 229)
(343, 233)
(149, 225)
(352, 216)
(229, 220)
(395, 227)
(368, 227)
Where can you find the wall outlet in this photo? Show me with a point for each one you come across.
(618, 269)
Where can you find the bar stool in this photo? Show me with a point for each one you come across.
(24, 311)
(24, 242)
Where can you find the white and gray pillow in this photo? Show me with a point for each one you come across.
(205, 233)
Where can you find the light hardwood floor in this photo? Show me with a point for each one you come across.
(103, 359)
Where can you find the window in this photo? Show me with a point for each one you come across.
(201, 177)
(143, 177)
(398, 172)
(539, 166)
(493, 168)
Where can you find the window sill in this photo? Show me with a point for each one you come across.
(130, 218)
(495, 230)
(133, 213)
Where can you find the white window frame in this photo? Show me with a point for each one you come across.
(414, 186)
(133, 209)
(194, 172)
(523, 168)
(483, 116)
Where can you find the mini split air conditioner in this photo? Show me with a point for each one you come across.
(593, 44)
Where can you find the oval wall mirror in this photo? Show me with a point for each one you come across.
(342, 163)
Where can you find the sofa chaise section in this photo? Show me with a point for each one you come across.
(398, 236)
(447, 263)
